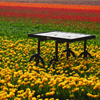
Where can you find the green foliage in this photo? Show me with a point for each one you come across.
(20, 28)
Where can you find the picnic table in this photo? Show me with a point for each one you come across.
(60, 37)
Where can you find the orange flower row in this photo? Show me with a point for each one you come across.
(44, 5)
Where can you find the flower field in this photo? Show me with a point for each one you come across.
(72, 79)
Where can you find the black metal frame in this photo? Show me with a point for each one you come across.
(59, 40)
(68, 50)
(37, 55)
(85, 52)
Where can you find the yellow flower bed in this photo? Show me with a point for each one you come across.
(72, 78)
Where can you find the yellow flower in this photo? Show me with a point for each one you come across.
(53, 89)
(76, 89)
(38, 96)
(89, 94)
(34, 98)
(46, 66)
(33, 91)
(11, 94)
(70, 73)
(51, 99)
(25, 79)
(15, 74)
(2, 81)
(30, 96)
(40, 86)
(44, 80)
(51, 85)
(5, 89)
(32, 85)
(85, 67)
(11, 36)
(17, 67)
(96, 96)
(24, 55)
(0, 56)
(71, 96)
(66, 71)
(73, 91)
(17, 99)
(10, 85)
(68, 87)
(95, 87)
(98, 57)
(72, 83)
(19, 81)
(5, 37)
(50, 93)
(82, 90)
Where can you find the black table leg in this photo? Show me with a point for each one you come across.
(68, 50)
(85, 52)
(55, 57)
(37, 55)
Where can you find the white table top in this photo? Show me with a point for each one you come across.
(64, 35)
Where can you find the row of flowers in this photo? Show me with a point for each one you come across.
(45, 5)
(52, 13)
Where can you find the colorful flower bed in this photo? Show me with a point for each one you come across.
(72, 79)
(52, 11)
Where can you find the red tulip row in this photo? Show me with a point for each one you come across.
(52, 13)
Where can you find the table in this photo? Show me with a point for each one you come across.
(60, 37)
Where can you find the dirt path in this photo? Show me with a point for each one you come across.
(74, 2)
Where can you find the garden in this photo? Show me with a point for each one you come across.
(66, 79)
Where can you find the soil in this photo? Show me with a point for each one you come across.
(74, 2)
